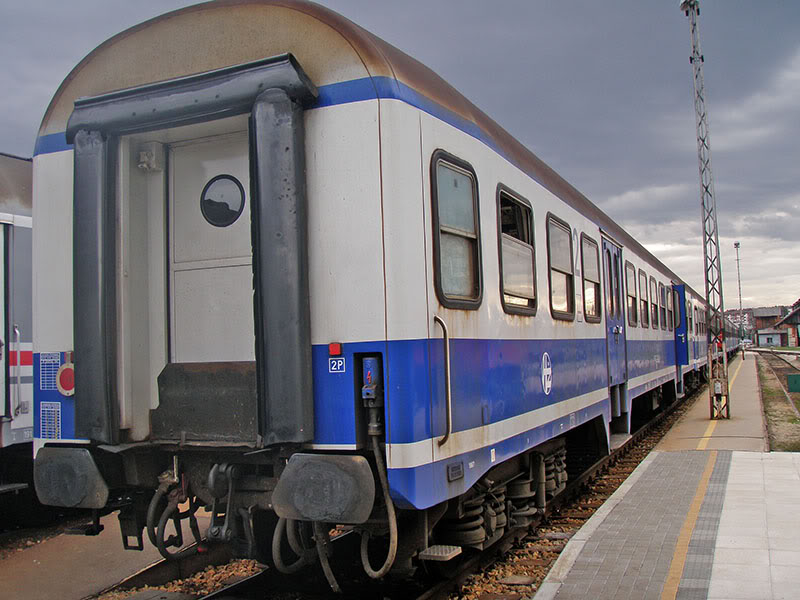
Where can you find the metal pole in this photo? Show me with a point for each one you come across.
(739, 278)
(715, 311)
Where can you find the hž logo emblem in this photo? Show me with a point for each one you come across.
(547, 373)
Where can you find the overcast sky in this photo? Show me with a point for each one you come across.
(601, 91)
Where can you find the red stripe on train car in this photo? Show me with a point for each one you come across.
(27, 358)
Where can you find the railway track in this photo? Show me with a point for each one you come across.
(783, 364)
(512, 568)
(782, 367)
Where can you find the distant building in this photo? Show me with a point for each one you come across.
(770, 336)
(766, 316)
(790, 325)
(761, 324)
(743, 320)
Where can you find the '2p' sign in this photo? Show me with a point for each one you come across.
(547, 374)
(337, 365)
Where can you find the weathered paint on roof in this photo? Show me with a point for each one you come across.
(329, 47)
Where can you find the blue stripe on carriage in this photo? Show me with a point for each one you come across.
(492, 380)
(345, 92)
(649, 385)
(53, 142)
(648, 356)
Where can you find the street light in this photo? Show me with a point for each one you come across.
(739, 277)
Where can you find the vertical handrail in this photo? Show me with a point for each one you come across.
(448, 391)
(19, 371)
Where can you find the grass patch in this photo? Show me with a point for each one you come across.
(783, 426)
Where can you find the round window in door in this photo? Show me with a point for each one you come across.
(222, 200)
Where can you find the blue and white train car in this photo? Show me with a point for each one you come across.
(300, 275)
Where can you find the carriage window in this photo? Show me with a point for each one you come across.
(517, 265)
(696, 322)
(677, 309)
(590, 267)
(662, 301)
(653, 303)
(559, 256)
(670, 314)
(222, 200)
(630, 286)
(456, 232)
(645, 313)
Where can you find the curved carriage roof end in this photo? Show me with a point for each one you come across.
(331, 49)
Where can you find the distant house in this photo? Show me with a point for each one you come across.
(770, 336)
(766, 316)
(790, 326)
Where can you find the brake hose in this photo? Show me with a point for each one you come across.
(392, 522)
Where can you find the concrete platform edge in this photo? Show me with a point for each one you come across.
(558, 572)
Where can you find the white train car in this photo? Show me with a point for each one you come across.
(16, 338)
(300, 275)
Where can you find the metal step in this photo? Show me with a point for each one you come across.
(12, 487)
(618, 439)
(440, 553)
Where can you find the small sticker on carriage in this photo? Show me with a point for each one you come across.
(547, 374)
(337, 365)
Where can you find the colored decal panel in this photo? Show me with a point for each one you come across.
(54, 412)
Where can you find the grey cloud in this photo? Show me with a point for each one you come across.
(601, 93)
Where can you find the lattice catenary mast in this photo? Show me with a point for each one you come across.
(717, 368)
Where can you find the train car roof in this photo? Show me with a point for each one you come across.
(330, 48)
(16, 174)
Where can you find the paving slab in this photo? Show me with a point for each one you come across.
(710, 515)
(72, 567)
(692, 537)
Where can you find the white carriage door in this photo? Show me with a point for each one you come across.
(211, 278)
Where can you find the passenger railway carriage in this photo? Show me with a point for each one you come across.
(301, 275)
(16, 370)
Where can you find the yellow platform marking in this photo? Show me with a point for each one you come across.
(713, 424)
(682, 546)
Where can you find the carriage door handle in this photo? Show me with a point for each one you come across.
(18, 404)
(448, 391)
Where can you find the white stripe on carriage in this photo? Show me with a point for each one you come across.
(647, 377)
(415, 454)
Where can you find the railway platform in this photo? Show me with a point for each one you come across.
(710, 514)
(73, 567)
